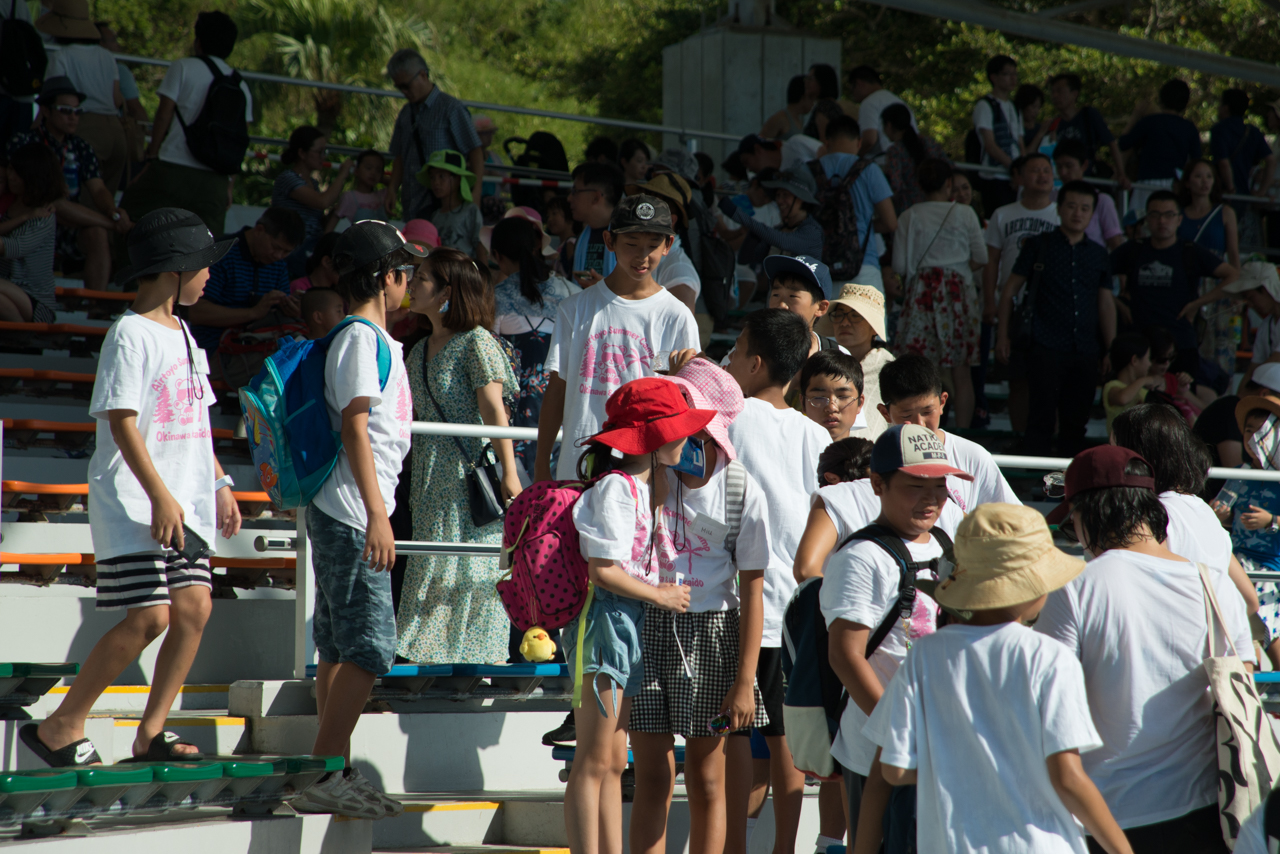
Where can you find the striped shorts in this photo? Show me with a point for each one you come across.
(145, 579)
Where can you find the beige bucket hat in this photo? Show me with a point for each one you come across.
(1004, 556)
(866, 301)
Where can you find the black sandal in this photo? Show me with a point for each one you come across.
(161, 750)
(77, 754)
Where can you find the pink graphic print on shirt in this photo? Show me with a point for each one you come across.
(613, 357)
(678, 557)
(924, 617)
(404, 406)
(180, 412)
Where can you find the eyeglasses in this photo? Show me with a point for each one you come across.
(404, 269)
(845, 316)
(577, 190)
(842, 403)
(69, 111)
(404, 87)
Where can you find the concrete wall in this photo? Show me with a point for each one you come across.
(730, 79)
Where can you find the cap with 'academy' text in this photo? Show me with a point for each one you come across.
(914, 450)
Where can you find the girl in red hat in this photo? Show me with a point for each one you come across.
(647, 422)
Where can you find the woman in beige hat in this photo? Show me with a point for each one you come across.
(857, 319)
(93, 71)
(989, 718)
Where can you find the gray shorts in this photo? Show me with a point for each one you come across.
(611, 644)
(354, 620)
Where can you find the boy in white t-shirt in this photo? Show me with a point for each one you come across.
(348, 522)
(157, 494)
(620, 329)
(872, 619)
(701, 664)
(912, 393)
(988, 718)
(780, 448)
(1135, 618)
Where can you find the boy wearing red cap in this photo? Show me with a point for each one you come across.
(700, 666)
(872, 623)
(618, 521)
(1136, 620)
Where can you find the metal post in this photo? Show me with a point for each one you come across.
(303, 603)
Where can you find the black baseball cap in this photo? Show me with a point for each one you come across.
(749, 142)
(55, 86)
(367, 241)
(642, 212)
(170, 240)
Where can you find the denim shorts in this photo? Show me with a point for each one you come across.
(611, 645)
(354, 620)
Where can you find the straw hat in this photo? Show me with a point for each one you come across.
(68, 19)
(1004, 556)
(866, 301)
(709, 386)
(1248, 404)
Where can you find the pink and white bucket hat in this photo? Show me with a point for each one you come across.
(708, 386)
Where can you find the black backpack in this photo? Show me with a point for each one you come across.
(712, 257)
(542, 150)
(219, 136)
(22, 56)
(838, 216)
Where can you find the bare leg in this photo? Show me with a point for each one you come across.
(875, 800)
(704, 782)
(655, 762)
(962, 381)
(189, 611)
(759, 787)
(15, 304)
(118, 648)
(97, 257)
(737, 793)
(831, 807)
(788, 795)
(1273, 653)
(593, 825)
(348, 691)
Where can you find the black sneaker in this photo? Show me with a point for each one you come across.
(566, 733)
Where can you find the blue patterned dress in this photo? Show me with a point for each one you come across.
(531, 348)
(1258, 551)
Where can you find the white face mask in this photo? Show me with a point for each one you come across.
(1265, 444)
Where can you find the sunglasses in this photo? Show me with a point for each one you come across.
(69, 111)
(404, 87)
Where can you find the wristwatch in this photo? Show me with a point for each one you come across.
(225, 480)
(115, 217)
(1275, 524)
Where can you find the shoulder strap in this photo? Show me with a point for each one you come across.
(735, 491)
(1206, 222)
(892, 543)
(213, 67)
(1213, 613)
(941, 225)
(1037, 271)
(997, 111)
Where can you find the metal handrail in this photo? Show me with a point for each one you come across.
(1001, 172)
(681, 132)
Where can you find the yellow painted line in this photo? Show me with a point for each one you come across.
(146, 689)
(179, 723)
(456, 806)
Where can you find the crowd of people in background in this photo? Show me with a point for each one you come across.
(814, 321)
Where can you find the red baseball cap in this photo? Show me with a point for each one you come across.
(1099, 468)
(646, 414)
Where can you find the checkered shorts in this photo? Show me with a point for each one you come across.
(142, 580)
(671, 702)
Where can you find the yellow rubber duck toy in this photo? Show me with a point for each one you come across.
(537, 645)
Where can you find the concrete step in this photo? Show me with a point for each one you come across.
(208, 831)
(439, 820)
(133, 699)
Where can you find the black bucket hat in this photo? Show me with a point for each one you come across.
(170, 240)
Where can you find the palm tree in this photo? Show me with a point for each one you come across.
(336, 41)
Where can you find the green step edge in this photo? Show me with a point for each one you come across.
(43, 780)
(184, 772)
(251, 769)
(115, 775)
(9, 669)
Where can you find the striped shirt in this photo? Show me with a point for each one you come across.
(237, 281)
(440, 121)
(28, 262)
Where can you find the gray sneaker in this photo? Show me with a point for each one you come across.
(337, 796)
(361, 785)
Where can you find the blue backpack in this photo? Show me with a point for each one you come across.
(287, 423)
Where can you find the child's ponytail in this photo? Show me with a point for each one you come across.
(596, 460)
(520, 240)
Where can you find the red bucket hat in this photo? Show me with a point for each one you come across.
(646, 414)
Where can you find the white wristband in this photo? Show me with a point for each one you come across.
(225, 480)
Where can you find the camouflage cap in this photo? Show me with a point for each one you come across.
(642, 213)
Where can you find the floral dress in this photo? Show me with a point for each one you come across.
(527, 328)
(449, 608)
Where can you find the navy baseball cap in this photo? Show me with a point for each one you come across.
(751, 140)
(806, 268)
(914, 450)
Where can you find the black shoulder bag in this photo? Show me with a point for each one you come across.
(484, 487)
(1024, 316)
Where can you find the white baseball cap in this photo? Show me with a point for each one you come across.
(1268, 375)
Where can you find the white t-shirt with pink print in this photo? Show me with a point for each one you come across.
(351, 371)
(603, 341)
(144, 367)
(614, 520)
(860, 584)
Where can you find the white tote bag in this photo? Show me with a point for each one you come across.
(1248, 750)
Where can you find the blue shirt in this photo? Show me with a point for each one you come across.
(1066, 309)
(1244, 145)
(237, 281)
(870, 188)
(1262, 546)
(1167, 141)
